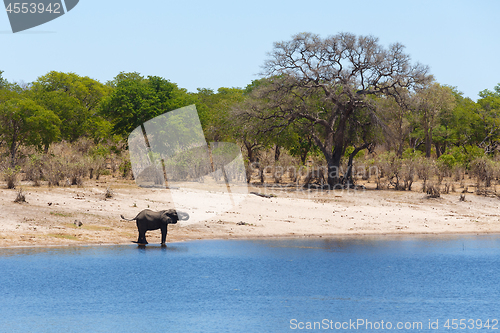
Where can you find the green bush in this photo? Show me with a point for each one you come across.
(411, 153)
(125, 168)
(448, 161)
(465, 155)
(445, 164)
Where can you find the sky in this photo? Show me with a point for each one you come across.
(212, 44)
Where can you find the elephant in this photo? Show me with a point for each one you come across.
(151, 220)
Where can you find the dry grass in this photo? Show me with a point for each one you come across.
(64, 236)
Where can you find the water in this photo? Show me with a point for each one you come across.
(253, 286)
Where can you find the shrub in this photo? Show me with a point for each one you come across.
(10, 175)
(20, 198)
(447, 161)
(433, 191)
(458, 172)
(496, 171)
(398, 172)
(53, 170)
(444, 165)
(409, 167)
(33, 169)
(109, 193)
(83, 146)
(425, 169)
(413, 154)
(97, 165)
(391, 167)
(76, 171)
(465, 155)
(125, 167)
(483, 170)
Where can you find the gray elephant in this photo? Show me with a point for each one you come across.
(151, 220)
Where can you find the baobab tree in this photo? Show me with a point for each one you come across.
(327, 81)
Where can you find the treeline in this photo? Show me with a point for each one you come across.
(63, 127)
(342, 102)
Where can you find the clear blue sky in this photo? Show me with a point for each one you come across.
(216, 43)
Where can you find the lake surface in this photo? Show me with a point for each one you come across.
(255, 286)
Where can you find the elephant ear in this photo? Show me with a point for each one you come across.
(170, 214)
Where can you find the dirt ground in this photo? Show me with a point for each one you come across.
(51, 215)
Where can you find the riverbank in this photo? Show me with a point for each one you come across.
(52, 215)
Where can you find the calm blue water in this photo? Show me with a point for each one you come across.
(251, 286)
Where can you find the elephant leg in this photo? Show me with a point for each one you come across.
(142, 238)
(163, 234)
(142, 235)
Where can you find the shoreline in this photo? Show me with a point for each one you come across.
(49, 216)
(286, 237)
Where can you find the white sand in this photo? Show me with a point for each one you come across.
(48, 217)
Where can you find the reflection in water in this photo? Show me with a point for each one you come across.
(394, 244)
(162, 248)
(85, 250)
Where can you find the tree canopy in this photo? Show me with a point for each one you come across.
(328, 83)
(75, 100)
(135, 100)
(24, 122)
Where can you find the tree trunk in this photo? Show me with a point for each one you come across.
(304, 151)
(348, 174)
(277, 153)
(333, 148)
(428, 143)
(251, 159)
(303, 158)
(13, 150)
(400, 149)
(250, 151)
(334, 178)
(439, 151)
(401, 139)
(428, 121)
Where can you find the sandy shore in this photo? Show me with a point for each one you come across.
(49, 216)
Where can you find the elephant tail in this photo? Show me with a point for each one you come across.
(127, 219)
